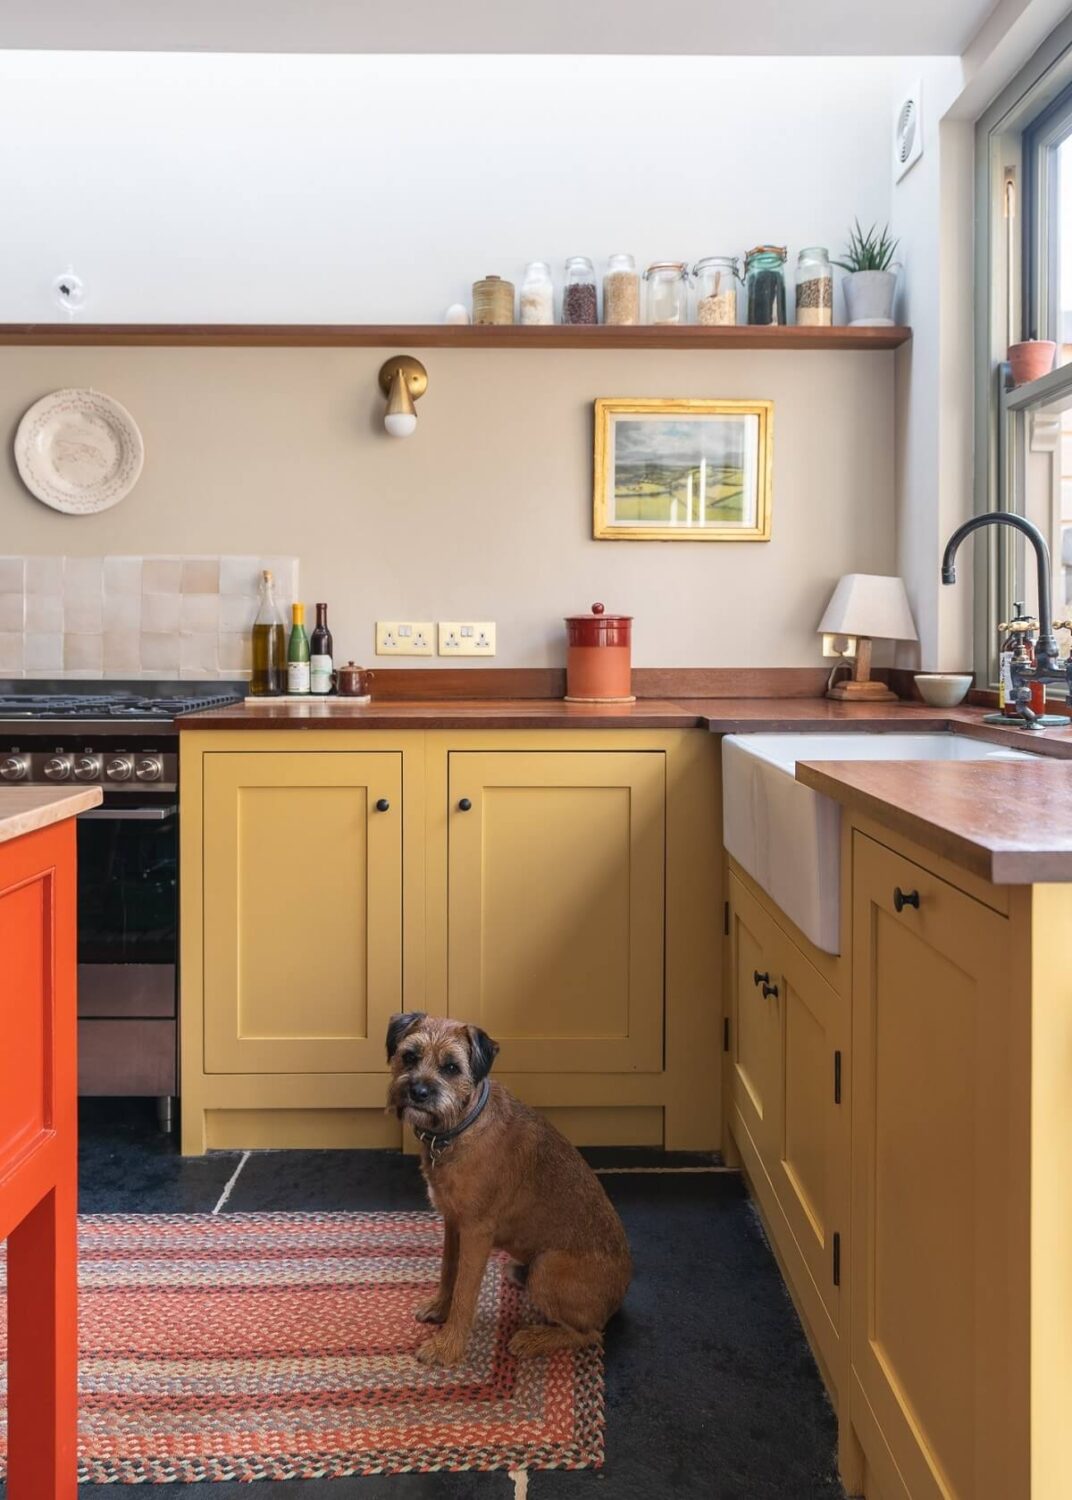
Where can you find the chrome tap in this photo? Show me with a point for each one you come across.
(1048, 665)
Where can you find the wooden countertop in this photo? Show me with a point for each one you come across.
(26, 808)
(1007, 821)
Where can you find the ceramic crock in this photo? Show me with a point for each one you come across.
(598, 657)
(352, 681)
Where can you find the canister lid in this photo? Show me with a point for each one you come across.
(597, 612)
(599, 629)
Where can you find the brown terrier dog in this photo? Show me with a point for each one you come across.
(503, 1178)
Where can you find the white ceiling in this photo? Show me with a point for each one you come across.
(859, 28)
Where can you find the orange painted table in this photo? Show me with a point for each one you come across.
(38, 1134)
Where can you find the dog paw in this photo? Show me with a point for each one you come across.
(435, 1312)
(441, 1349)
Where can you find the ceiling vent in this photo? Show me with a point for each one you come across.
(908, 132)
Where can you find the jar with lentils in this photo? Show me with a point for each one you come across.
(815, 288)
(715, 282)
(621, 290)
(579, 301)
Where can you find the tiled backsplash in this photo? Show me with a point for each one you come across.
(133, 616)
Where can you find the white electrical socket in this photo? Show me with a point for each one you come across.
(467, 637)
(405, 638)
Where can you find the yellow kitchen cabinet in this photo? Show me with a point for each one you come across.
(788, 1108)
(302, 910)
(556, 906)
(940, 1117)
(574, 910)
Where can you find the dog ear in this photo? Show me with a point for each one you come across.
(482, 1053)
(398, 1026)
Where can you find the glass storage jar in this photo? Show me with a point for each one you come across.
(764, 281)
(815, 288)
(621, 290)
(537, 300)
(579, 294)
(716, 280)
(667, 283)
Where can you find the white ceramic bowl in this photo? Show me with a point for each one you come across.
(943, 689)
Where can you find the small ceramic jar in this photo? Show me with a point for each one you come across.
(352, 681)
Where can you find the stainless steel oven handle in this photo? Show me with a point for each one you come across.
(130, 814)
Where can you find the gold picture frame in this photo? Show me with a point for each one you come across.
(702, 473)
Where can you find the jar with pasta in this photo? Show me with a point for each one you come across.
(715, 283)
(621, 291)
(815, 288)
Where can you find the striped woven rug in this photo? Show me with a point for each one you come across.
(280, 1346)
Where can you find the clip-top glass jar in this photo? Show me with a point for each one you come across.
(815, 288)
(621, 291)
(764, 281)
(667, 283)
(716, 280)
(537, 300)
(579, 294)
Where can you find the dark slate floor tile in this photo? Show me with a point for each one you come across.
(648, 1156)
(328, 1182)
(126, 1165)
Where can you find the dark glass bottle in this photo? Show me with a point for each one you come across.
(321, 649)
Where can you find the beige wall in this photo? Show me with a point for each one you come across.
(486, 512)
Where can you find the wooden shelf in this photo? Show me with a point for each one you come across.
(442, 336)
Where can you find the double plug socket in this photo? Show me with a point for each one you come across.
(424, 638)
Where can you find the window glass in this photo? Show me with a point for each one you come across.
(1063, 228)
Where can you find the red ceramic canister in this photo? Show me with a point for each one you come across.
(598, 657)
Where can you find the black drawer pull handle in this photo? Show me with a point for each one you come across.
(758, 978)
(464, 805)
(901, 899)
(383, 805)
(769, 990)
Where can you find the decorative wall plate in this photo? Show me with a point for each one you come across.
(79, 451)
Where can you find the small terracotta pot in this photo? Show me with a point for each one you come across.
(1031, 360)
(353, 681)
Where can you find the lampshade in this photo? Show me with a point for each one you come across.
(870, 605)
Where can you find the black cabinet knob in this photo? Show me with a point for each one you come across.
(464, 805)
(901, 899)
(758, 978)
(769, 990)
(382, 805)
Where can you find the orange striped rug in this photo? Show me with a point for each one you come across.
(280, 1346)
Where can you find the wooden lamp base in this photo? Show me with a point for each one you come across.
(859, 688)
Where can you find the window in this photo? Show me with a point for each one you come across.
(1024, 271)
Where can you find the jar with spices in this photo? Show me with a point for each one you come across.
(493, 300)
(715, 281)
(667, 283)
(621, 291)
(537, 294)
(764, 281)
(579, 303)
(815, 288)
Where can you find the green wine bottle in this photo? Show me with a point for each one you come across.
(298, 653)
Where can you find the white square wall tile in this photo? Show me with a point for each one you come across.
(200, 575)
(160, 612)
(44, 651)
(121, 649)
(161, 575)
(12, 570)
(200, 612)
(82, 616)
(159, 653)
(236, 652)
(83, 579)
(11, 612)
(122, 576)
(122, 612)
(240, 575)
(44, 575)
(200, 649)
(83, 651)
(11, 651)
(237, 613)
(44, 612)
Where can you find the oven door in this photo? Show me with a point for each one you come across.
(128, 934)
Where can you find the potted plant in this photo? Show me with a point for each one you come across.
(871, 282)
(1031, 359)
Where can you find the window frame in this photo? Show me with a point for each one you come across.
(1013, 140)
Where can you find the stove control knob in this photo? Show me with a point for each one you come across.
(87, 768)
(15, 767)
(58, 767)
(149, 768)
(120, 768)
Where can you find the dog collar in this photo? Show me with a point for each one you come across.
(438, 1140)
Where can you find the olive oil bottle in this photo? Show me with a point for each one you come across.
(269, 678)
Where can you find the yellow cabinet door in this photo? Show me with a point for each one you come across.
(939, 1305)
(302, 910)
(556, 906)
(811, 1172)
(755, 1023)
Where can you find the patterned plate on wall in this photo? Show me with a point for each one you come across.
(79, 451)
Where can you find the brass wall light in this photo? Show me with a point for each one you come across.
(403, 380)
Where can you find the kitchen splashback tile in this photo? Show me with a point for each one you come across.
(138, 617)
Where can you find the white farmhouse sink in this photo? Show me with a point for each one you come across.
(787, 836)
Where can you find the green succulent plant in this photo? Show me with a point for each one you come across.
(868, 252)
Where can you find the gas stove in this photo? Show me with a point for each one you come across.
(119, 735)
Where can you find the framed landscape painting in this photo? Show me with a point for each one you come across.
(683, 470)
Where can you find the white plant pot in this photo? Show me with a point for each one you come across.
(869, 298)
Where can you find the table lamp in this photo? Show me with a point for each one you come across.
(866, 605)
